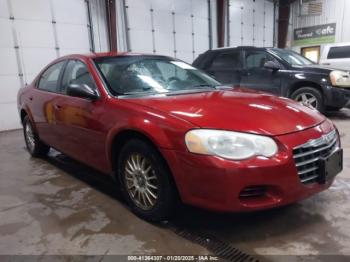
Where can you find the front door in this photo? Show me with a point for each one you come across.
(256, 76)
(78, 119)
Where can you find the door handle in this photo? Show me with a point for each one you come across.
(57, 107)
(326, 64)
(31, 98)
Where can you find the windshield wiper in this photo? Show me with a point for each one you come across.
(145, 90)
(204, 85)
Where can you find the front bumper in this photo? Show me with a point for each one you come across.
(337, 96)
(217, 184)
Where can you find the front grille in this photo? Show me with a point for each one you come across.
(307, 156)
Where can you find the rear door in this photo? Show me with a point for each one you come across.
(43, 102)
(256, 76)
(79, 119)
(226, 67)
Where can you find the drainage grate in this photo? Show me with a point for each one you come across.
(217, 247)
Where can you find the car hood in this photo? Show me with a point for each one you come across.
(236, 110)
(317, 69)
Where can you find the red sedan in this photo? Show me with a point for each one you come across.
(169, 132)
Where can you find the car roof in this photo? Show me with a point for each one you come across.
(240, 47)
(107, 54)
(337, 44)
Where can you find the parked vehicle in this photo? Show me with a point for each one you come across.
(168, 132)
(336, 56)
(280, 72)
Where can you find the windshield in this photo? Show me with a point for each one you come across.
(130, 75)
(292, 57)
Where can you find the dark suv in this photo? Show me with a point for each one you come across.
(278, 71)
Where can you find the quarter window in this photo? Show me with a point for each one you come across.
(76, 73)
(49, 79)
(339, 52)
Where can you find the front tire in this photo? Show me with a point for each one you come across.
(334, 108)
(34, 146)
(146, 181)
(310, 97)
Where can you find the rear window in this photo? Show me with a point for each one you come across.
(49, 79)
(231, 60)
(339, 52)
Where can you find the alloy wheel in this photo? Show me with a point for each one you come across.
(307, 99)
(141, 181)
(30, 137)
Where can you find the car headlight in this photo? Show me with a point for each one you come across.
(228, 144)
(340, 78)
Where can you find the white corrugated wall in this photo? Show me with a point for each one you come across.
(35, 32)
(251, 22)
(178, 28)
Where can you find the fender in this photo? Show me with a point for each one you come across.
(23, 106)
(157, 127)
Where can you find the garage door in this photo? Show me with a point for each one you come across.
(251, 22)
(33, 33)
(178, 28)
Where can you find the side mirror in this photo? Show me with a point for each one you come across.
(272, 65)
(82, 91)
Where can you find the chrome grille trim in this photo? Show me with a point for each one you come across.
(314, 151)
(319, 141)
(311, 178)
(307, 155)
(307, 161)
(308, 170)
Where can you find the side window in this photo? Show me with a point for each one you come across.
(76, 73)
(339, 52)
(48, 80)
(256, 59)
(231, 60)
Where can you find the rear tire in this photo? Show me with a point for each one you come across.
(145, 181)
(34, 146)
(310, 97)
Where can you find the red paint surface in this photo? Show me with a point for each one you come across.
(85, 130)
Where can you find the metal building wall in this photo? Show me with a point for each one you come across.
(178, 28)
(99, 25)
(334, 11)
(251, 22)
(35, 32)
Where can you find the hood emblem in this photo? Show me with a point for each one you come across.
(323, 140)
